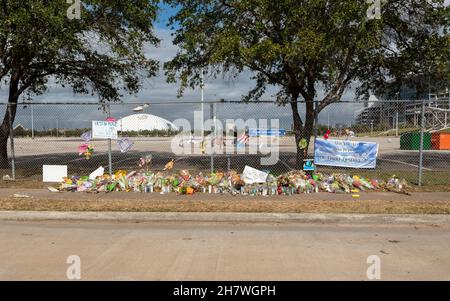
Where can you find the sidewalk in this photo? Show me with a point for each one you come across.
(227, 217)
(374, 202)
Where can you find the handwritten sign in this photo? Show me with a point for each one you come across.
(104, 129)
(252, 175)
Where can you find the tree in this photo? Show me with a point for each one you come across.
(303, 47)
(101, 52)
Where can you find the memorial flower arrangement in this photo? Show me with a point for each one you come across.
(231, 182)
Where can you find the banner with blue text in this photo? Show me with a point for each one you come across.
(345, 153)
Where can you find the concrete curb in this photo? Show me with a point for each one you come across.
(224, 217)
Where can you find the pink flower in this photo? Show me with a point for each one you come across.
(83, 148)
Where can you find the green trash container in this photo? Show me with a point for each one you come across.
(411, 141)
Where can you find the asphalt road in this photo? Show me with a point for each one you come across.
(222, 251)
(32, 154)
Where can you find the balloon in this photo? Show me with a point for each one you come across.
(169, 165)
(87, 136)
(125, 145)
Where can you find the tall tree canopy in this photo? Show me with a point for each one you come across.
(303, 46)
(102, 52)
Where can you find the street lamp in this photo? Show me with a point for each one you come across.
(141, 108)
(202, 86)
(32, 122)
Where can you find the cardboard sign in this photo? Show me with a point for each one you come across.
(253, 176)
(104, 129)
(54, 173)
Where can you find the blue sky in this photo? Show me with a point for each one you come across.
(165, 12)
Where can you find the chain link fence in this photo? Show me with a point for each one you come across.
(50, 134)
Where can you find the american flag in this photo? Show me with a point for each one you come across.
(243, 140)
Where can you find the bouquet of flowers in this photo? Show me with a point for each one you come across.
(145, 162)
(86, 149)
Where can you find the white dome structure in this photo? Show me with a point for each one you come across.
(144, 122)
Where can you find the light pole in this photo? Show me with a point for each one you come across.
(202, 97)
(32, 121)
(396, 115)
(328, 116)
(141, 108)
(109, 146)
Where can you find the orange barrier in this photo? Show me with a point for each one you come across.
(440, 141)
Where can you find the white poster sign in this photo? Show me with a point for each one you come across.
(252, 175)
(104, 129)
(54, 173)
(97, 173)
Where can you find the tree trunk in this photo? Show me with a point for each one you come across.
(302, 131)
(298, 129)
(10, 112)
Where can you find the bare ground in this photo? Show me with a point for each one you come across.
(375, 202)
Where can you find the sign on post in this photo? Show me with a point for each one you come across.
(104, 129)
(344, 153)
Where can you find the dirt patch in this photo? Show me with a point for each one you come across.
(279, 206)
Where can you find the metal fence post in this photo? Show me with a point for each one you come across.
(213, 134)
(109, 146)
(11, 137)
(422, 128)
(32, 121)
(396, 123)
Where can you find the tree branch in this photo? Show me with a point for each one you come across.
(344, 78)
